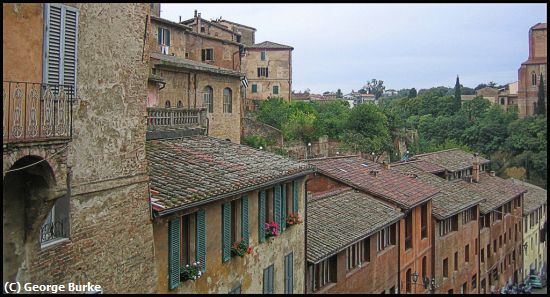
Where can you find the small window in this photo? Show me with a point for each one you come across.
(446, 267)
(238, 38)
(474, 281)
(254, 88)
(164, 36)
(386, 237)
(207, 54)
(187, 57)
(227, 100)
(424, 221)
(533, 78)
(208, 98)
(424, 267)
(275, 90)
(56, 225)
(464, 288)
(467, 253)
(488, 251)
(180, 104)
(456, 261)
(356, 253)
(322, 274)
(408, 232)
(262, 55)
(167, 104)
(203, 29)
(263, 72)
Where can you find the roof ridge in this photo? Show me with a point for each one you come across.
(329, 158)
(447, 150)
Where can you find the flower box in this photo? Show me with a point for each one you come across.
(240, 248)
(271, 229)
(191, 272)
(293, 219)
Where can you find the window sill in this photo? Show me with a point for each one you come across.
(53, 243)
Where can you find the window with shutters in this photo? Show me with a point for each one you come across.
(289, 273)
(321, 274)
(263, 72)
(468, 215)
(467, 253)
(207, 54)
(227, 100)
(268, 280)
(187, 244)
(357, 254)
(386, 237)
(275, 90)
(263, 55)
(60, 53)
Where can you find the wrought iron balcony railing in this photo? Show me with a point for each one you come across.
(36, 112)
(161, 117)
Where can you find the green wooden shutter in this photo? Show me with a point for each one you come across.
(200, 223)
(70, 33)
(289, 274)
(283, 208)
(159, 32)
(244, 218)
(254, 88)
(174, 253)
(226, 231)
(277, 205)
(203, 55)
(261, 216)
(295, 196)
(168, 37)
(266, 281)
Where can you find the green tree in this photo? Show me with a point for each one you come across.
(300, 126)
(457, 99)
(541, 97)
(375, 87)
(367, 130)
(274, 112)
(331, 118)
(412, 93)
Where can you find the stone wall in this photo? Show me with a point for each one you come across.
(247, 34)
(111, 238)
(226, 54)
(177, 38)
(279, 64)
(324, 147)
(221, 277)
(252, 127)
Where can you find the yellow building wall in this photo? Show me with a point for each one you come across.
(536, 253)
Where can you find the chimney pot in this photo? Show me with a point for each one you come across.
(492, 173)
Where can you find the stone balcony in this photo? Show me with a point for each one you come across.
(175, 122)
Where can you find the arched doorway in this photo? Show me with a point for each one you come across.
(28, 189)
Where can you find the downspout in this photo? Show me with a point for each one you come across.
(434, 249)
(189, 89)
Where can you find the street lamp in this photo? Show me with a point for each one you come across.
(415, 277)
(261, 147)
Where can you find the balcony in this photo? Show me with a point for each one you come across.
(175, 122)
(36, 112)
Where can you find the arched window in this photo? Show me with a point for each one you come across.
(180, 104)
(227, 100)
(408, 281)
(208, 98)
(533, 78)
(167, 104)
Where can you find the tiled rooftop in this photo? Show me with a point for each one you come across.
(175, 61)
(495, 190)
(191, 169)
(453, 198)
(420, 164)
(452, 160)
(534, 198)
(338, 220)
(354, 171)
(269, 44)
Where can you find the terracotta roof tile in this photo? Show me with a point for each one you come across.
(420, 164)
(388, 184)
(452, 160)
(338, 220)
(453, 197)
(190, 169)
(534, 198)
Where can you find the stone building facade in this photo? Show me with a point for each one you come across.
(193, 71)
(83, 179)
(268, 68)
(208, 194)
(247, 34)
(531, 70)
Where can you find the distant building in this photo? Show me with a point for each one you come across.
(530, 72)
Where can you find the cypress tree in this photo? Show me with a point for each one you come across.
(541, 95)
(457, 101)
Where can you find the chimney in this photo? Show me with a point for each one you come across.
(475, 169)
(180, 18)
(195, 13)
(198, 21)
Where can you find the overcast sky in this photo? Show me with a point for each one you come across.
(405, 45)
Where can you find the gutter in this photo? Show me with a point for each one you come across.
(235, 193)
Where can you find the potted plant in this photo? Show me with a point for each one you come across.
(240, 248)
(192, 271)
(271, 229)
(293, 219)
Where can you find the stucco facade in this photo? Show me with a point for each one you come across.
(101, 169)
(221, 277)
(535, 245)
